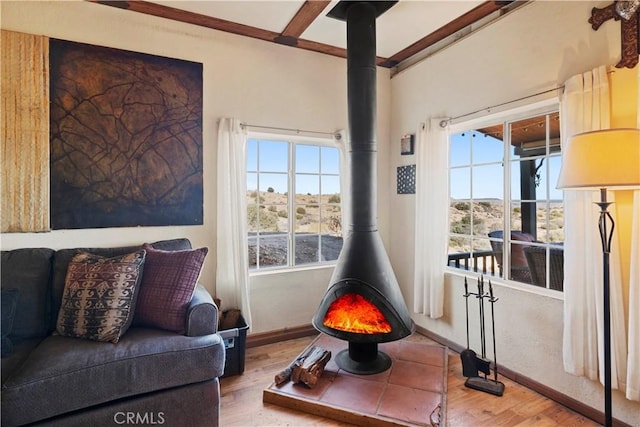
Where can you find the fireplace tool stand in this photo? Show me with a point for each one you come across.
(472, 364)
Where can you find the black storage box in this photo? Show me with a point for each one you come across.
(235, 343)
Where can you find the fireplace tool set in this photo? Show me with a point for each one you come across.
(472, 364)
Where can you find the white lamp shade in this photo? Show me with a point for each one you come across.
(601, 159)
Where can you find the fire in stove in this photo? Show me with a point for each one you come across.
(353, 313)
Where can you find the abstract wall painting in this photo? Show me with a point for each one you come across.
(126, 138)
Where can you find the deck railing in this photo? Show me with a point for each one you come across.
(478, 262)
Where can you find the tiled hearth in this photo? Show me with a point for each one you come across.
(411, 393)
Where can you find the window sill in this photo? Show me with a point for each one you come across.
(506, 283)
(290, 270)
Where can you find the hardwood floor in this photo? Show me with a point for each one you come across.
(241, 397)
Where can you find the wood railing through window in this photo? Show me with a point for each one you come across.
(478, 262)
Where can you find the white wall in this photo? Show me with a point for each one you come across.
(536, 47)
(255, 81)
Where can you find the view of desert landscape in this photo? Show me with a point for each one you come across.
(317, 225)
(471, 248)
(487, 215)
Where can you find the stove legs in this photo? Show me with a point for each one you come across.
(363, 359)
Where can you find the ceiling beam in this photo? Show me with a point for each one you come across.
(307, 13)
(187, 17)
(305, 16)
(475, 14)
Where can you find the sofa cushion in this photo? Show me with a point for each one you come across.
(21, 351)
(9, 303)
(28, 270)
(65, 374)
(172, 245)
(168, 283)
(100, 295)
(63, 257)
(190, 405)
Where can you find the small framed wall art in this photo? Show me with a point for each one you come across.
(406, 180)
(406, 144)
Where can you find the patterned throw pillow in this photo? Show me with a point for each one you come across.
(168, 283)
(100, 296)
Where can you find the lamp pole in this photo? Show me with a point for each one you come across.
(601, 159)
(605, 238)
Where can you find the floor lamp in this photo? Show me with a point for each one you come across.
(601, 160)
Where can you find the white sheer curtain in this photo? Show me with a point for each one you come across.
(633, 357)
(432, 218)
(232, 274)
(585, 107)
(342, 143)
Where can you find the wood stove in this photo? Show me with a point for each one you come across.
(363, 304)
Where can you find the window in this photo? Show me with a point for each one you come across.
(293, 202)
(502, 195)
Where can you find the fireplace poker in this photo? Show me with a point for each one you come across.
(483, 363)
(466, 307)
(483, 348)
(492, 300)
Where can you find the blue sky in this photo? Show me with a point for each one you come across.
(487, 153)
(316, 167)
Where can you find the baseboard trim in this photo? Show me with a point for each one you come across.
(569, 402)
(271, 337)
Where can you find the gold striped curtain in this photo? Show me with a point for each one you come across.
(24, 133)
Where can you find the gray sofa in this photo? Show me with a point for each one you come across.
(150, 376)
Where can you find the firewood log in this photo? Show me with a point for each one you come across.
(285, 375)
(311, 369)
(230, 319)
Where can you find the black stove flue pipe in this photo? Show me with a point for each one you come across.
(361, 99)
(363, 266)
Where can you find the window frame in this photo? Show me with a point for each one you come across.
(294, 140)
(507, 117)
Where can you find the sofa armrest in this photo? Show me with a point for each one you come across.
(202, 314)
